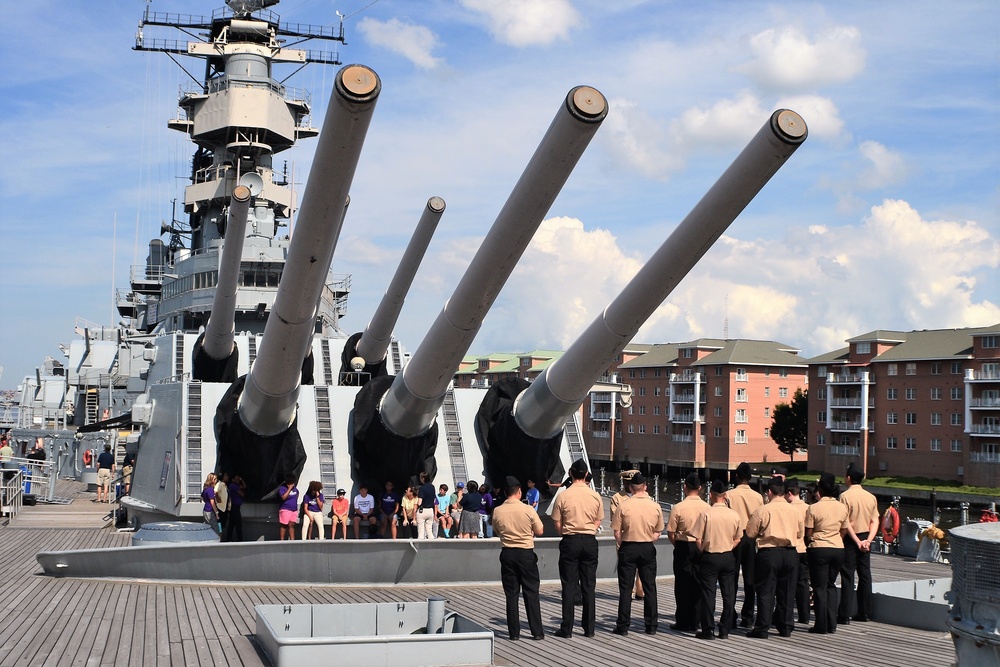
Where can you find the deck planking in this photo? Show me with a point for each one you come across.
(56, 621)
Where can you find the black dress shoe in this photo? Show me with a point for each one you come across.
(744, 623)
(682, 628)
(588, 634)
(723, 635)
(538, 637)
(704, 634)
(757, 634)
(843, 620)
(784, 633)
(650, 631)
(621, 631)
(640, 597)
(514, 638)
(860, 619)
(816, 631)
(563, 634)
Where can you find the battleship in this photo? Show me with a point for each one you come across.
(231, 355)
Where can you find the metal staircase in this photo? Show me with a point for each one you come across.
(251, 349)
(92, 405)
(179, 355)
(324, 441)
(573, 439)
(324, 345)
(453, 432)
(194, 480)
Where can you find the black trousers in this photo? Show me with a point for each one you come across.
(856, 604)
(234, 522)
(519, 574)
(746, 554)
(637, 557)
(717, 569)
(824, 568)
(800, 595)
(776, 571)
(578, 572)
(686, 588)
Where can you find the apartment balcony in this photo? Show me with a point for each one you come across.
(982, 376)
(482, 383)
(605, 416)
(849, 378)
(984, 457)
(687, 398)
(845, 450)
(600, 434)
(741, 440)
(742, 399)
(850, 426)
(984, 429)
(741, 420)
(742, 377)
(686, 377)
(985, 403)
(681, 438)
(686, 418)
(602, 397)
(850, 403)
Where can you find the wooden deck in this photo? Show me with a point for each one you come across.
(50, 621)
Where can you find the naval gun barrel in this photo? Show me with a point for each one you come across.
(375, 340)
(410, 405)
(541, 410)
(221, 329)
(267, 404)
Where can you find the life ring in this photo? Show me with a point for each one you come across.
(890, 525)
(88, 458)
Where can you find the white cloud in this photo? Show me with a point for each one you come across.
(785, 58)
(728, 121)
(885, 167)
(414, 42)
(820, 113)
(527, 22)
(637, 141)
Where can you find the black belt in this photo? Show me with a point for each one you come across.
(580, 535)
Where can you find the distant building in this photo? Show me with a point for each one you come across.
(912, 404)
(706, 403)
(484, 371)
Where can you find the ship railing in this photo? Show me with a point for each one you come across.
(260, 15)
(224, 82)
(180, 377)
(176, 20)
(11, 491)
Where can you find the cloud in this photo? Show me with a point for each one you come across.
(885, 167)
(820, 113)
(527, 22)
(414, 42)
(728, 121)
(635, 140)
(786, 59)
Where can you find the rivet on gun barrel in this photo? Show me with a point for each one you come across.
(364, 355)
(522, 425)
(215, 358)
(395, 432)
(255, 421)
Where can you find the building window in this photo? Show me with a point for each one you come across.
(631, 409)
(935, 444)
(642, 391)
(956, 393)
(718, 391)
(741, 437)
(642, 429)
(956, 418)
(821, 371)
(956, 445)
(656, 429)
(656, 391)
(991, 341)
(821, 393)
(863, 348)
(782, 392)
(718, 431)
(821, 439)
(911, 394)
(642, 409)
(741, 416)
(718, 412)
(890, 442)
(767, 412)
(656, 372)
(741, 395)
(935, 393)
(631, 372)
(956, 368)
(935, 368)
(911, 443)
(767, 433)
(911, 368)
(656, 409)
(526, 361)
(891, 369)
(821, 416)
(631, 428)
(891, 418)
(642, 372)
(687, 353)
(911, 417)
(891, 393)
(767, 392)
(935, 419)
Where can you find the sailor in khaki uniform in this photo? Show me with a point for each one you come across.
(826, 525)
(717, 533)
(624, 493)
(638, 524)
(517, 524)
(745, 501)
(862, 517)
(577, 513)
(792, 490)
(777, 527)
(683, 516)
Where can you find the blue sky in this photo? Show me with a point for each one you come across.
(887, 217)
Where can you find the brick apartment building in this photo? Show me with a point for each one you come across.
(703, 404)
(482, 372)
(913, 404)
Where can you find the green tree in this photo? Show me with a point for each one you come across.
(790, 423)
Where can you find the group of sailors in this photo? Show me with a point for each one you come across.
(782, 545)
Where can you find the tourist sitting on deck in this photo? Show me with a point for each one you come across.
(388, 505)
(341, 508)
(442, 511)
(312, 510)
(364, 511)
(408, 507)
(288, 513)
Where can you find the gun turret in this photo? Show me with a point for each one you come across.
(256, 419)
(215, 356)
(522, 425)
(395, 433)
(364, 353)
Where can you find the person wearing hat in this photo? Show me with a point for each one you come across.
(577, 513)
(826, 525)
(683, 516)
(340, 508)
(624, 493)
(792, 495)
(777, 527)
(862, 522)
(105, 468)
(717, 533)
(638, 524)
(745, 501)
(516, 525)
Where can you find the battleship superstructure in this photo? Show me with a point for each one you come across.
(232, 358)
